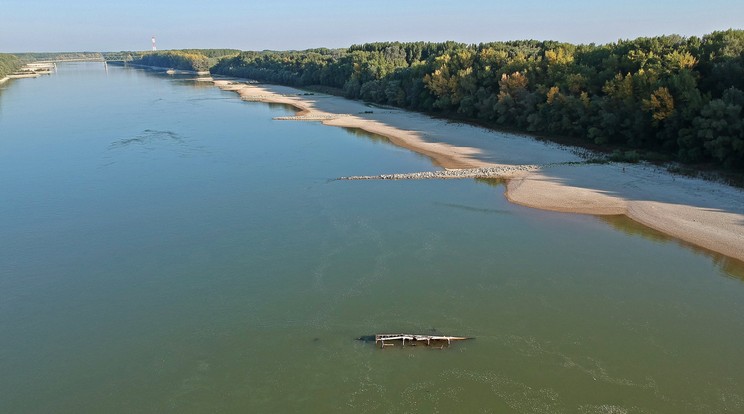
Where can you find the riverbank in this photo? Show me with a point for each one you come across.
(703, 213)
(169, 71)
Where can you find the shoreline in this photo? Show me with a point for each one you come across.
(705, 214)
(444, 155)
(169, 71)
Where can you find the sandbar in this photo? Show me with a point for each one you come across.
(700, 212)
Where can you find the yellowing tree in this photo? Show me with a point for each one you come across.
(660, 104)
(559, 56)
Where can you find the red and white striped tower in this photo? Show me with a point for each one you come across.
(153, 44)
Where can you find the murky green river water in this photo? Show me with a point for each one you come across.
(166, 247)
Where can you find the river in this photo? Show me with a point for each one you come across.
(167, 247)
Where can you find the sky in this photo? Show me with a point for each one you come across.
(104, 25)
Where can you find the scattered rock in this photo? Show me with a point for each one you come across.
(455, 173)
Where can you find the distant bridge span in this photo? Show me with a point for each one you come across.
(91, 59)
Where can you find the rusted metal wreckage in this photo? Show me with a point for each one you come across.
(436, 341)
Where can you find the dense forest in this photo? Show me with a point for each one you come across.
(665, 98)
(8, 64)
(36, 56)
(185, 59)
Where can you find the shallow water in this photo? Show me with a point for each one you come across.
(168, 247)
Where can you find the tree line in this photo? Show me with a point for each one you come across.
(185, 59)
(8, 64)
(36, 56)
(667, 97)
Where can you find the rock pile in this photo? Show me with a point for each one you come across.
(487, 172)
(314, 117)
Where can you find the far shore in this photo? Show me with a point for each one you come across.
(169, 71)
(705, 214)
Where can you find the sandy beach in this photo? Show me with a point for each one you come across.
(702, 213)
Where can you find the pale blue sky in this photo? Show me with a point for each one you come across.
(102, 25)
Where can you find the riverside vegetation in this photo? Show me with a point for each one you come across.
(196, 60)
(665, 98)
(8, 64)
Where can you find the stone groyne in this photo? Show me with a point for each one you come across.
(315, 117)
(485, 172)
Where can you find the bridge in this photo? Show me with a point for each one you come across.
(53, 61)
